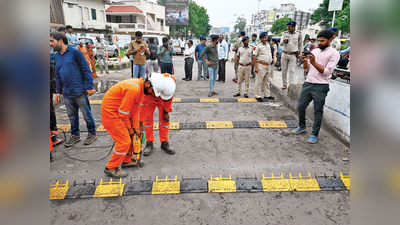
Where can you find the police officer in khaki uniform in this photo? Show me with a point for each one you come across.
(236, 47)
(262, 59)
(335, 42)
(245, 60)
(291, 45)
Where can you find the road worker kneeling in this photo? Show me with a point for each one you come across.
(162, 99)
(120, 117)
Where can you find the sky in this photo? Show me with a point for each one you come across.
(222, 12)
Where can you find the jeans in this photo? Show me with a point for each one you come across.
(317, 93)
(166, 67)
(101, 59)
(213, 76)
(81, 102)
(188, 68)
(139, 68)
(201, 64)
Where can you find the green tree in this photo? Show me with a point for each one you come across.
(343, 20)
(280, 25)
(240, 24)
(161, 2)
(324, 17)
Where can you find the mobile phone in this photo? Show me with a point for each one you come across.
(306, 53)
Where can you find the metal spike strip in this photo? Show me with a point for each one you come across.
(203, 100)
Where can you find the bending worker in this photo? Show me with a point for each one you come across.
(120, 117)
(163, 101)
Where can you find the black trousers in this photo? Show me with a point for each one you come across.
(53, 119)
(317, 93)
(132, 68)
(189, 68)
(221, 70)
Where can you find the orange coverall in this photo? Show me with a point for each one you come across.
(120, 112)
(146, 114)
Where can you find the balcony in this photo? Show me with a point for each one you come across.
(135, 26)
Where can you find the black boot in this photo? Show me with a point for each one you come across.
(148, 150)
(167, 148)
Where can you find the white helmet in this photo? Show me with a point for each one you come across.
(163, 87)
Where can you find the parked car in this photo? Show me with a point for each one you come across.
(177, 47)
(157, 39)
(112, 49)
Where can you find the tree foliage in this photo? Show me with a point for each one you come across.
(324, 17)
(240, 24)
(199, 22)
(280, 25)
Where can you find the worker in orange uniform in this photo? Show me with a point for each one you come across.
(163, 101)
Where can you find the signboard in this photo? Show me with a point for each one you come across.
(119, 39)
(256, 22)
(271, 16)
(224, 29)
(176, 12)
(335, 5)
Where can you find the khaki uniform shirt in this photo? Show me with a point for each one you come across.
(138, 58)
(263, 53)
(238, 44)
(295, 43)
(336, 44)
(245, 55)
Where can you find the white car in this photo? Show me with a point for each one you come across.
(112, 49)
(177, 47)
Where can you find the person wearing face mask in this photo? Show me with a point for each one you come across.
(319, 64)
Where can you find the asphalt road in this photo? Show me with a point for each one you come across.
(205, 152)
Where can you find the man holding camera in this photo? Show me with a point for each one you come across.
(291, 45)
(319, 64)
(138, 49)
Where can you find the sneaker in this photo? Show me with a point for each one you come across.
(260, 99)
(210, 94)
(72, 140)
(167, 148)
(132, 163)
(215, 93)
(236, 95)
(299, 130)
(148, 149)
(107, 72)
(246, 95)
(90, 138)
(115, 173)
(184, 78)
(313, 139)
(269, 98)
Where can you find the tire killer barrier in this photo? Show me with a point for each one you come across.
(203, 100)
(249, 184)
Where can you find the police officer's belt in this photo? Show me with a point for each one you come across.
(290, 53)
(263, 63)
(245, 65)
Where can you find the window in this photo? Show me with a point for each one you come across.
(108, 18)
(94, 14)
(101, 15)
(277, 16)
(86, 13)
(71, 6)
(80, 13)
(133, 19)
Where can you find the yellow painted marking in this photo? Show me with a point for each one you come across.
(219, 124)
(127, 65)
(109, 189)
(346, 180)
(176, 100)
(65, 128)
(156, 126)
(247, 100)
(95, 102)
(209, 100)
(304, 183)
(272, 183)
(58, 191)
(101, 128)
(272, 124)
(220, 184)
(166, 186)
(174, 125)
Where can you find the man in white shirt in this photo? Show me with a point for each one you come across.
(189, 59)
(182, 45)
(222, 58)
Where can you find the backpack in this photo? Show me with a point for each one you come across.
(153, 52)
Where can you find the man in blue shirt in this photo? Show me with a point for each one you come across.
(166, 51)
(72, 38)
(74, 80)
(200, 63)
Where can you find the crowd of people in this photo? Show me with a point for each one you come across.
(128, 107)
